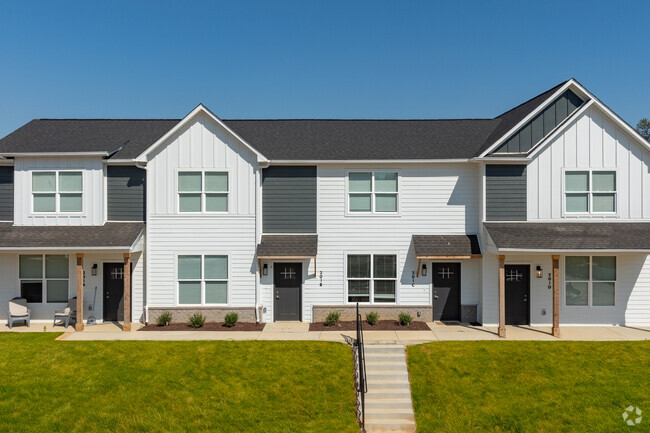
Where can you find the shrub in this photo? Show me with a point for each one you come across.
(405, 319)
(197, 320)
(165, 318)
(332, 318)
(372, 318)
(231, 319)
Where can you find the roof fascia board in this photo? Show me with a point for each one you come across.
(76, 248)
(366, 161)
(119, 162)
(572, 250)
(199, 109)
(525, 120)
(50, 154)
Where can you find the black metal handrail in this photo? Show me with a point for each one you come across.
(362, 385)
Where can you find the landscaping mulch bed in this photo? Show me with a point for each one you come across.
(207, 326)
(382, 325)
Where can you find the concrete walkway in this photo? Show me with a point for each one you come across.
(300, 331)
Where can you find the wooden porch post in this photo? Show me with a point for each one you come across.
(127, 292)
(502, 297)
(556, 297)
(79, 324)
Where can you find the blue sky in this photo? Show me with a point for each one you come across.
(315, 59)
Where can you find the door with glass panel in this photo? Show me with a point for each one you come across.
(287, 279)
(446, 291)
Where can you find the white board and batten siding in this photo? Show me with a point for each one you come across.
(201, 144)
(591, 141)
(433, 199)
(93, 190)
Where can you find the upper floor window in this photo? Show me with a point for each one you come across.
(43, 277)
(373, 192)
(590, 281)
(202, 191)
(372, 278)
(590, 192)
(57, 191)
(202, 279)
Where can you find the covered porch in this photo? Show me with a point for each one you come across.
(86, 270)
(567, 273)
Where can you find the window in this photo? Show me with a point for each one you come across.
(378, 288)
(202, 279)
(590, 281)
(590, 191)
(57, 191)
(53, 287)
(372, 192)
(202, 191)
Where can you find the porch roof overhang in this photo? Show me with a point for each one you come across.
(287, 247)
(119, 236)
(446, 246)
(558, 237)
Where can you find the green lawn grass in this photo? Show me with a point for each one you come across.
(522, 386)
(60, 386)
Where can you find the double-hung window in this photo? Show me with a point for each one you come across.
(590, 281)
(203, 191)
(372, 278)
(57, 191)
(590, 192)
(44, 277)
(373, 192)
(202, 279)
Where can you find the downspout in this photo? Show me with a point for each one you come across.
(146, 244)
(258, 234)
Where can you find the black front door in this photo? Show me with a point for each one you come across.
(113, 292)
(287, 278)
(517, 294)
(446, 291)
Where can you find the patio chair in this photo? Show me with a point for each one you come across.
(68, 313)
(18, 311)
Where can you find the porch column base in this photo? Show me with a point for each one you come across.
(126, 327)
(502, 332)
(556, 332)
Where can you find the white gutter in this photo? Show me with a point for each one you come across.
(55, 154)
(366, 161)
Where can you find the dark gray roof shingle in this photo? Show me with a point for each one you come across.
(570, 235)
(446, 245)
(86, 135)
(113, 235)
(288, 245)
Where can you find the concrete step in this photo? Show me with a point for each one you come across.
(380, 394)
(383, 348)
(391, 425)
(385, 357)
(387, 375)
(373, 415)
(380, 363)
(385, 404)
(388, 385)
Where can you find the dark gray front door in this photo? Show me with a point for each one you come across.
(517, 294)
(287, 278)
(446, 291)
(113, 292)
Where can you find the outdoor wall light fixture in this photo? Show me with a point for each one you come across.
(538, 270)
(265, 269)
(424, 270)
(93, 270)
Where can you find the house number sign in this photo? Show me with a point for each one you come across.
(550, 286)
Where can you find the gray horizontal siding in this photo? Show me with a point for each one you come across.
(125, 193)
(289, 199)
(505, 193)
(532, 132)
(6, 193)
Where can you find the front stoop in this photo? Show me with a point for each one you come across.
(388, 401)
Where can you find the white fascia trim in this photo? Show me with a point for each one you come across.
(364, 161)
(199, 109)
(55, 154)
(582, 251)
(525, 120)
(125, 248)
(118, 162)
(137, 246)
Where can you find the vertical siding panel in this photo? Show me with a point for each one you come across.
(596, 140)
(557, 155)
(532, 189)
(571, 147)
(636, 179)
(582, 157)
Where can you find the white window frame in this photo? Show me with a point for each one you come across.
(372, 192)
(590, 193)
(202, 280)
(203, 192)
(371, 278)
(590, 281)
(56, 192)
(44, 279)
